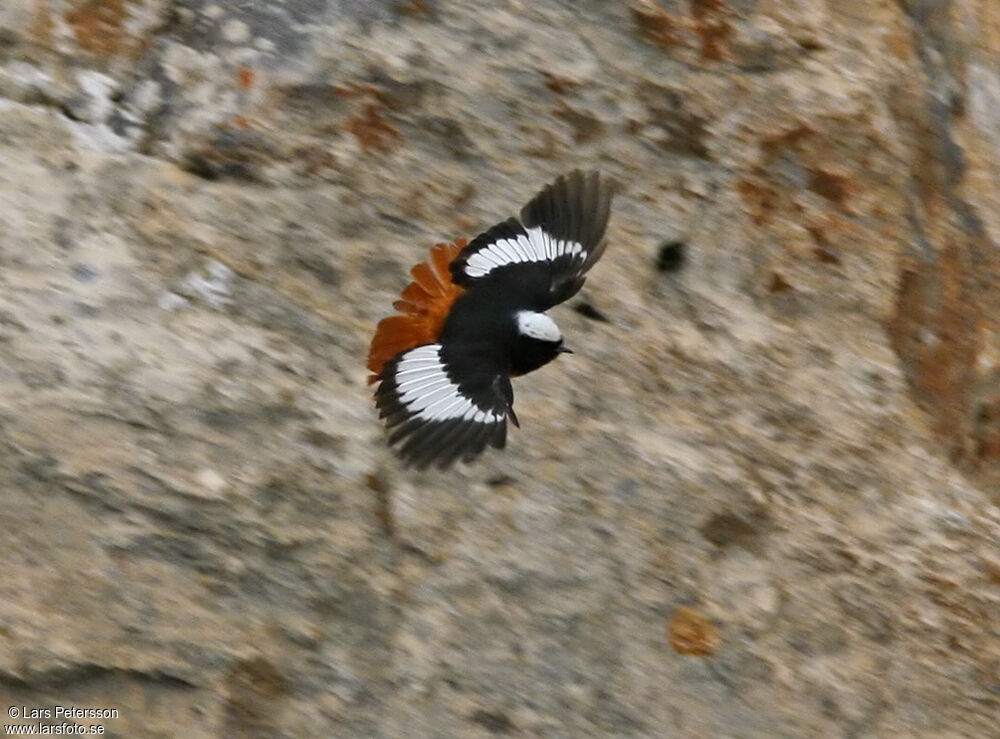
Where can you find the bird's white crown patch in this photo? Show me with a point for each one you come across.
(538, 326)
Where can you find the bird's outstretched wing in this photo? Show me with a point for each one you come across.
(548, 251)
(444, 403)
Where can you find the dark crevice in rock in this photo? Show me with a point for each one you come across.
(743, 530)
(77, 675)
(587, 310)
(495, 722)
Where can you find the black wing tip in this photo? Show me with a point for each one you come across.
(441, 445)
(576, 207)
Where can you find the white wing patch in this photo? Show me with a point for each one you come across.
(426, 392)
(535, 245)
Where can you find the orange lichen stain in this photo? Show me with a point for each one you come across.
(372, 130)
(245, 78)
(832, 186)
(693, 634)
(99, 25)
(933, 329)
(655, 23)
(423, 308)
(712, 28)
(761, 199)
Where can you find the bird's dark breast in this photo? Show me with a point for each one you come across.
(527, 355)
(482, 320)
(485, 313)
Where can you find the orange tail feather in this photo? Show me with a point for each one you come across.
(423, 309)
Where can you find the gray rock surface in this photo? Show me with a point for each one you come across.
(795, 437)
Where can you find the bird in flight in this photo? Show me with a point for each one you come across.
(474, 316)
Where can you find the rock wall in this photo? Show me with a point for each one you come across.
(761, 499)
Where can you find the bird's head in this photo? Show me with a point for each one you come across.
(537, 342)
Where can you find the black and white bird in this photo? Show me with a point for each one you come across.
(475, 316)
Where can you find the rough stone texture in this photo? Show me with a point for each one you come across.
(204, 209)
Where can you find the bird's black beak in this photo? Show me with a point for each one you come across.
(566, 350)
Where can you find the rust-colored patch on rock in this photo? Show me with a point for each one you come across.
(655, 23)
(372, 130)
(947, 306)
(99, 25)
(693, 634)
(933, 330)
(761, 199)
(773, 193)
(830, 185)
(245, 78)
(761, 191)
(702, 34)
(712, 28)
